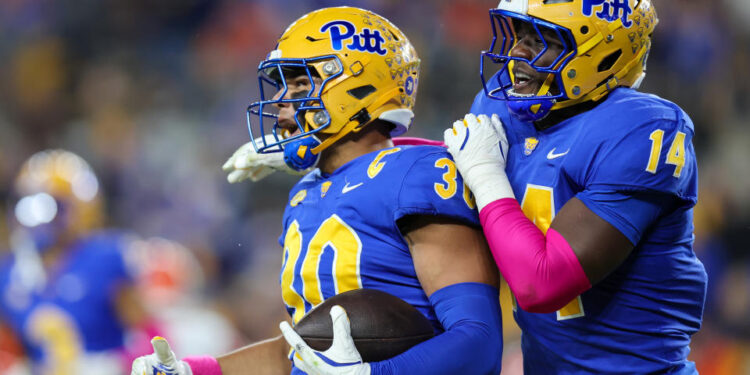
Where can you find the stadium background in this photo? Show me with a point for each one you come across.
(153, 95)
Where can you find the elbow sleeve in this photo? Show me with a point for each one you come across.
(543, 272)
(472, 341)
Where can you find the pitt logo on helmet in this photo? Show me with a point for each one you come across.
(367, 41)
(610, 10)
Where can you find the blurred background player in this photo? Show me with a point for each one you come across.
(598, 247)
(65, 291)
(344, 81)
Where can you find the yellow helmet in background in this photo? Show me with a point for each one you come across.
(57, 196)
(369, 70)
(605, 46)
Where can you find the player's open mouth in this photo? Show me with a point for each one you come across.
(523, 83)
(287, 124)
(287, 132)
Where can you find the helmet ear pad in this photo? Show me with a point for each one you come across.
(611, 50)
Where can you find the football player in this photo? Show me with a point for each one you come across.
(599, 251)
(65, 292)
(368, 214)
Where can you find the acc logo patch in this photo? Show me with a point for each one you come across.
(610, 10)
(297, 198)
(529, 145)
(368, 40)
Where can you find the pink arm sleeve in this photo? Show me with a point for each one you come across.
(203, 365)
(413, 141)
(542, 271)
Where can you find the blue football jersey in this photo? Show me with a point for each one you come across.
(639, 319)
(340, 230)
(72, 313)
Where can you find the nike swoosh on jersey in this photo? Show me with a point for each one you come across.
(552, 155)
(348, 188)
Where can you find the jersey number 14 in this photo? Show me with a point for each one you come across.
(675, 155)
(539, 206)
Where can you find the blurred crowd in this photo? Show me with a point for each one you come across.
(153, 95)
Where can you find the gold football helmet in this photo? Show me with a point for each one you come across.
(57, 196)
(605, 45)
(366, 68)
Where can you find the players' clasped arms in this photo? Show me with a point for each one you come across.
(598, 253)
(370, 215)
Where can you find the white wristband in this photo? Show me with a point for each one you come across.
(488, 183)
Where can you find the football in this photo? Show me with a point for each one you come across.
(382, 325)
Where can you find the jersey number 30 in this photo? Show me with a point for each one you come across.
(333, 233)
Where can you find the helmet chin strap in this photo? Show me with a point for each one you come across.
(298, 153)
(543, 91)
(530, 110)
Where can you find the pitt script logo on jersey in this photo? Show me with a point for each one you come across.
(610, 10)
(367, 40)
